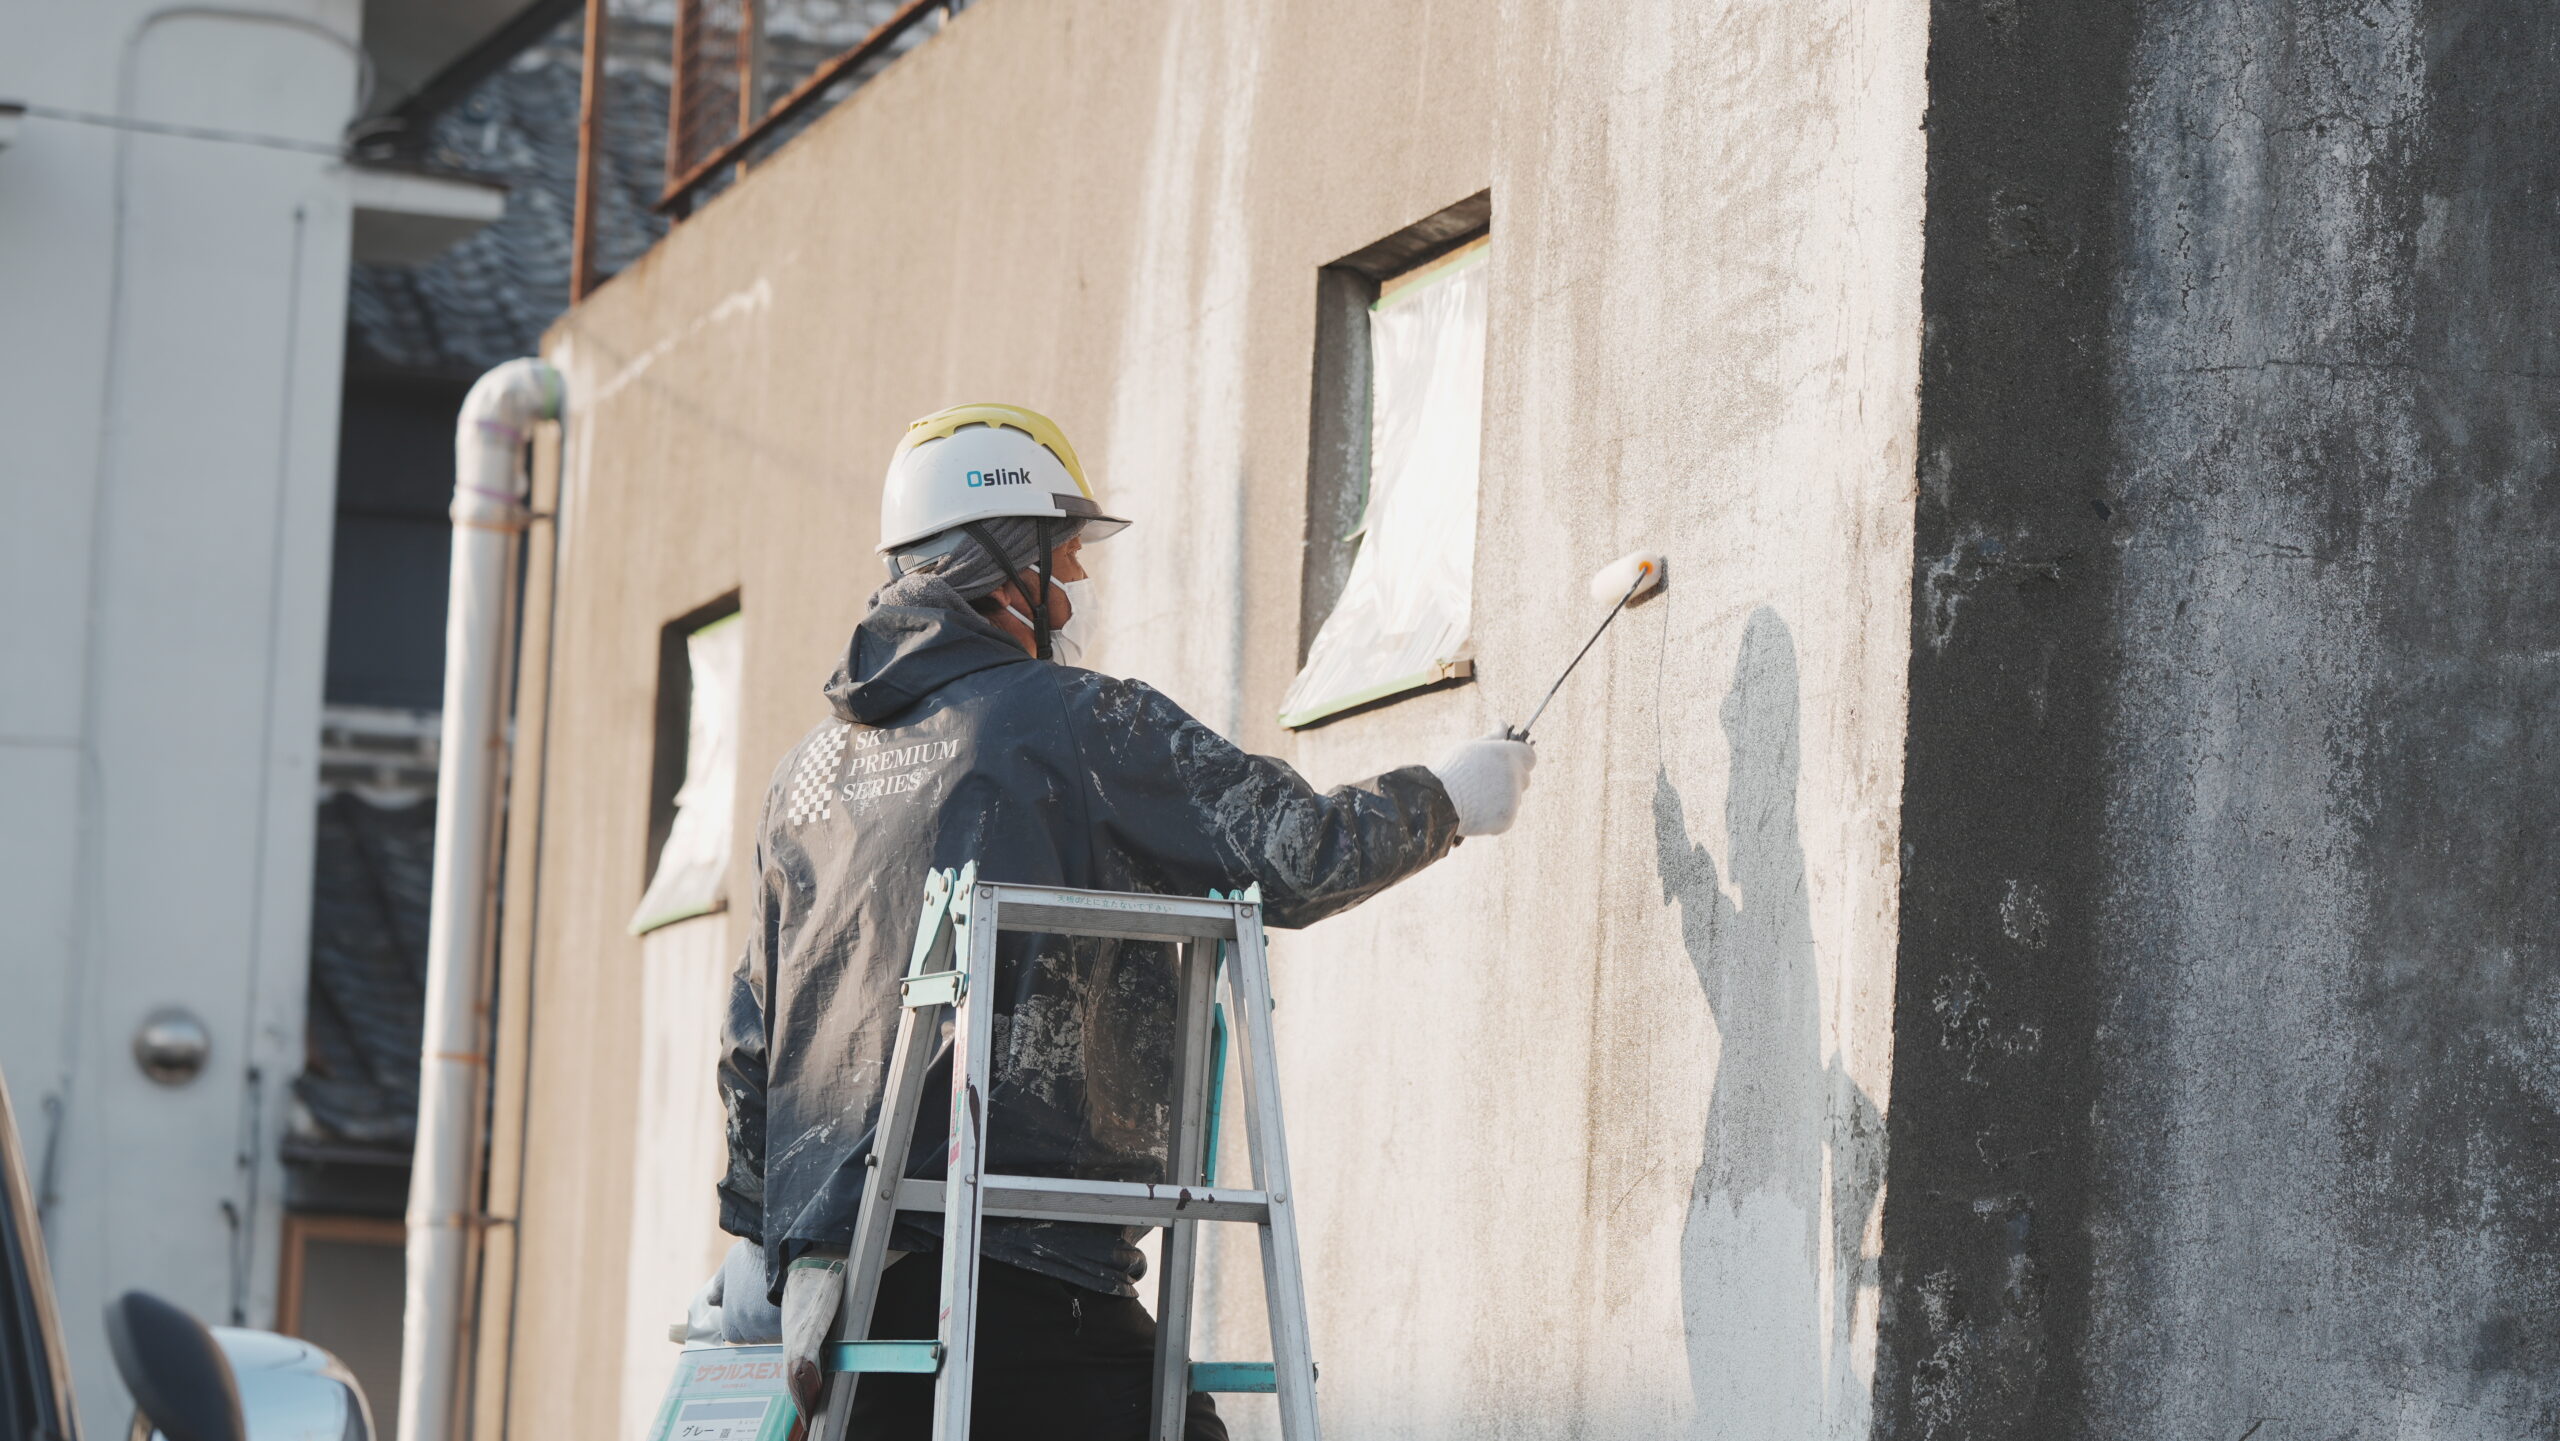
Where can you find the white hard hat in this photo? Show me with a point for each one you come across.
(978, 462)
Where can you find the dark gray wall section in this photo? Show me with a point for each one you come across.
(1986, 1226)
(2226, 1092)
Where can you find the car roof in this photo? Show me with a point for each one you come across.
(285, 1390)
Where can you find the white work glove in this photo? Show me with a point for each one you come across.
(746, 1317)
(701, 1317)
(731, 1308)
(812, 1292)
(1484, 780)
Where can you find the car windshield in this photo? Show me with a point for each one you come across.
(28, 1404)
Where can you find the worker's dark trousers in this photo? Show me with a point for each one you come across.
(1055, 1362)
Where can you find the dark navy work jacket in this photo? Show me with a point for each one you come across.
(950, 745)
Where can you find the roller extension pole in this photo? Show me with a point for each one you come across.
(1639, 572)
(488, 521)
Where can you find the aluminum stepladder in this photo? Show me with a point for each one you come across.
(952, 972)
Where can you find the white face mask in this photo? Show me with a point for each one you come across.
(1068, 642)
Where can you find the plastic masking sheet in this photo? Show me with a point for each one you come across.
(1403, 614)
(695, 858)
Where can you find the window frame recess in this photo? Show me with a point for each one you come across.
(1366, 301)
(692, 817)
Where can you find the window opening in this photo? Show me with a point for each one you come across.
(700, 666)
(1399, 617)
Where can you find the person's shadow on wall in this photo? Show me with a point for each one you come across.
(1765, 1360)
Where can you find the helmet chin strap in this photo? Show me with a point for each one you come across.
(1042, 530)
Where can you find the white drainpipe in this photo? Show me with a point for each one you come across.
(489, 490)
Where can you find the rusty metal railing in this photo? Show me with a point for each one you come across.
(714, 92)
(727, 70)
(742, 77)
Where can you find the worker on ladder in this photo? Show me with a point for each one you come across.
(964, 731)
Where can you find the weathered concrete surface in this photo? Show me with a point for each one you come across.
(2224, 1094)
(1586, 1120)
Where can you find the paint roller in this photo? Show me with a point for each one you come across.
(1636, 573)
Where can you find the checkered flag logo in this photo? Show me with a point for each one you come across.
(813, 778)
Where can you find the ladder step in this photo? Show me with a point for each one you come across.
(1064, 912)
(1045, 1198)
(934, 988)
(872, 1358)
(924, 1358)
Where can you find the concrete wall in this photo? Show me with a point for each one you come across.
(2224, 1103)
(1588, 1120)
(168, 418)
